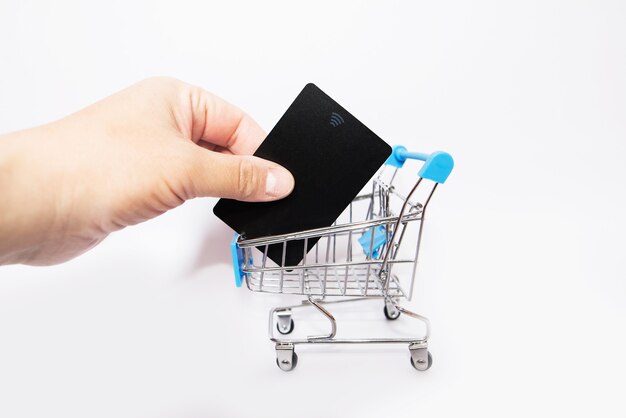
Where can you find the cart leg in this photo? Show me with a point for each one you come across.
(420, 357)
(286, 357)
(417, 316)
(330, 317)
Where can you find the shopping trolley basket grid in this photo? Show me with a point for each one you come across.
(360, 258)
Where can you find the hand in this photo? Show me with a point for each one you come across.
(65, 186)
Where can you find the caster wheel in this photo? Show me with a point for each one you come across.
(287, 329)
(286, 365)
(391, 316)
(423, 366)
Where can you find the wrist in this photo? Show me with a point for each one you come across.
(11, 241)
(43, 215)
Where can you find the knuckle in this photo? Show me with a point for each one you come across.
(166, 86)
(162, 80)
(248, 179)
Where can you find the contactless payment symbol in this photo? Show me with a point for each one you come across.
(335, 119)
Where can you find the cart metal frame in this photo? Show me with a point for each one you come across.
(327, 276)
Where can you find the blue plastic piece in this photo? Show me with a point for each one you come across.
(396, 159)
(238, 261)
(380, 238)
(437, 166)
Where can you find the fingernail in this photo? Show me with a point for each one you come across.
(279, 182)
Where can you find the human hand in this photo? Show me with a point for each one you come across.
(126, 159)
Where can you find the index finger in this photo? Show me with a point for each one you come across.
(217, 122)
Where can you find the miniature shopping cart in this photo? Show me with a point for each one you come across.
(371, 251)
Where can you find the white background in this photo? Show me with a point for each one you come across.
(522, 272)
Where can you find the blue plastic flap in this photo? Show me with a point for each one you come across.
(238, 261)
(395, 159)
(379, 240)
(437, 167)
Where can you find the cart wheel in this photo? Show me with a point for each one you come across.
(421, 365)
(286, 365)
(391, 316)
(285, 328)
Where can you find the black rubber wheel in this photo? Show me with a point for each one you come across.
(291, 326)
(389, 317)
(294, 362)
(430, 363)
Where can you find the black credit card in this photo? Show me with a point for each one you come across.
(331, 155)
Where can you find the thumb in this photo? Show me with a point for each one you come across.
(240, 177)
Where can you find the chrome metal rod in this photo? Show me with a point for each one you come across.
(263, 266)
(395, 231)
(327, 231)
(416, 316)
(282, 270)
(419, 241)
(325, 265)
(354, 341)
(333, 323)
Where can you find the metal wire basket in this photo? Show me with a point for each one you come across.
(365, 254)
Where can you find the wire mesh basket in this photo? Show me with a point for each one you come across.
(371, 251)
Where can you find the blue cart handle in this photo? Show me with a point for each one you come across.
(437, 166)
